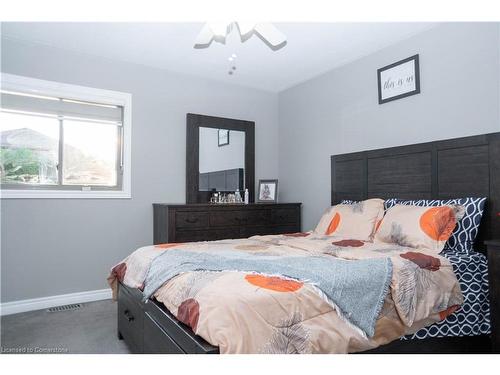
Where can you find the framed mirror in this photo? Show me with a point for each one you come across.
(220, 156)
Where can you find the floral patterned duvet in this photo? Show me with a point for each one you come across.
(247, 312)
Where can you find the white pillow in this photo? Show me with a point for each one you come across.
(356, 221)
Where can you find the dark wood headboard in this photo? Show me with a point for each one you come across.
(453, 168)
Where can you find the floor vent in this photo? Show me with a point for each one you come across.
(74, 306)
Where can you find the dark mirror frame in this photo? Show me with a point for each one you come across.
(193, 124)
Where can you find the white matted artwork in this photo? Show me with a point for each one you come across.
(268, 191)
(399, 80)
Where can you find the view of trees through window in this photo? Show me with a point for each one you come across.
(30, 152)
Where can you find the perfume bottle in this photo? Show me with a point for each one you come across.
(247, 196)
(237, 196)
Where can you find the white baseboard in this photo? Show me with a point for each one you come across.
(15, 307)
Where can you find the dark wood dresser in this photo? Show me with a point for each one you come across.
(208, 222)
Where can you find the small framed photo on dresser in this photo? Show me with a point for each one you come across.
(268, 191)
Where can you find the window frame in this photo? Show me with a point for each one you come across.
(82, 93)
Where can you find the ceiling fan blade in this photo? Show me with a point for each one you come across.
(221, 28)
(245, 27)
(271, 34)
(205, 37)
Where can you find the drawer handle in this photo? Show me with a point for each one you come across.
(127, 314)
(192, 221)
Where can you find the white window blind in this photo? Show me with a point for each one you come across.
(60, 107)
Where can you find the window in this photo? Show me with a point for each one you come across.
(60, 140)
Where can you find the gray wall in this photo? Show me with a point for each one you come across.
(338, 112)
(57, 246)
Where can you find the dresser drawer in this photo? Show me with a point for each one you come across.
(285, 216)
(269, 229)
(156, 340)
(239, 218)
(206, 234)
(191, 219)
(130, 320)
(209, 222)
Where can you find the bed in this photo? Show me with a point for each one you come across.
(467, 330)
(444, 169)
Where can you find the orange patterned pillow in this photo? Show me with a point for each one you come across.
(355, 221)
(419, 227)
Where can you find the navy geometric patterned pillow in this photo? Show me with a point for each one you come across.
(388, 203)
(462, 238)
(348, 201)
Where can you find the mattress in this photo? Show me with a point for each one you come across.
(473, 317)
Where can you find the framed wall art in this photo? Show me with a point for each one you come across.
(399, 80)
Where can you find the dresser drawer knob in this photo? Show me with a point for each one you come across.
(192, 221)
(128, 316)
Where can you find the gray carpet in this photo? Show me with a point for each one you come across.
(90, 329)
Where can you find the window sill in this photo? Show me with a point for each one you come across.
(69, 194)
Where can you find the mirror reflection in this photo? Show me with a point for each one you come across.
(222, 160)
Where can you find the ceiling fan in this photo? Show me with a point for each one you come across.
(267, 32)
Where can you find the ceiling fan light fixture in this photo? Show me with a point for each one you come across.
(245, 28)
(218, 31)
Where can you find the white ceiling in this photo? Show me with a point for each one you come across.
(312, 48)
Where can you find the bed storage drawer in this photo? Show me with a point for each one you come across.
(151, 328)
(179, 335)
(156, 340)
(130, 319)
